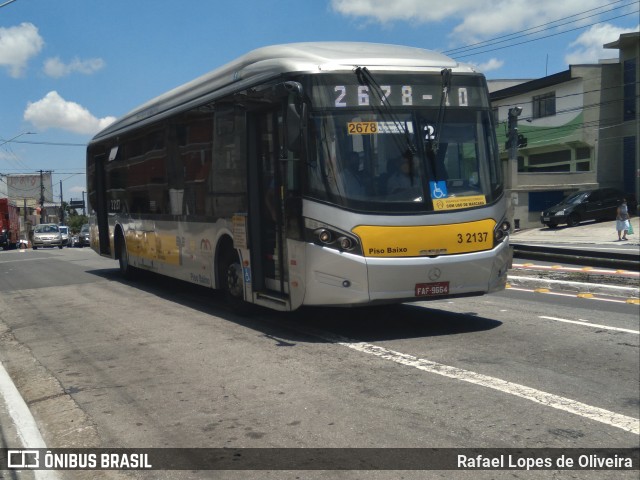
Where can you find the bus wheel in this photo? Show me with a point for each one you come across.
(233, 273)
(126, 270)
(231, 281)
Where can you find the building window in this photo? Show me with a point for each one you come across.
(558, 161)
(583, 159)
(629, 80)
(578, 160)
(544, 105)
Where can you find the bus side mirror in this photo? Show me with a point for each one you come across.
(295, 113)
(293, 122)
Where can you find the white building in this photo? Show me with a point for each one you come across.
(579, 130)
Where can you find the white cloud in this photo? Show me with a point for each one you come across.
(588, 46)
(491, 64)
(53, 111)
(17, 46)
(56, 68)
(476, 19)
(384, 11)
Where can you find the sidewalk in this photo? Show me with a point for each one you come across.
(588, 233)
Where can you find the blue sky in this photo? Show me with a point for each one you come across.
(69, 67)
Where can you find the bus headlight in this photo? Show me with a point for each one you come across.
(345, 243)
(324, 235)
(501, 231)
(331, 237)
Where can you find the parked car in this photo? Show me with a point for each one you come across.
(598, 204)
(84, 238)
(64, 231)
(46, 235)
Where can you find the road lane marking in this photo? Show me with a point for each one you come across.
(572, 295)
(594, 325)
(26, 426)
(623, 422)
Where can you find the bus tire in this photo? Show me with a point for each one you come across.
(231, 281)
(126, 270)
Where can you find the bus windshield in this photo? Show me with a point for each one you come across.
(372, 157)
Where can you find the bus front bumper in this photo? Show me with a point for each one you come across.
(336, 278)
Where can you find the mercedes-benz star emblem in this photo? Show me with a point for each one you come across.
(434, 274)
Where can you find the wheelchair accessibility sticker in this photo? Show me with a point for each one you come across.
(442, 201)
(438, 189)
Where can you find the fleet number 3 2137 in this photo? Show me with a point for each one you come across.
(479, 237)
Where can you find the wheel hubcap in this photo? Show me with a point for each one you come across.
(234, 280)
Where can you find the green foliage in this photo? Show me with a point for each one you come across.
(75, 222)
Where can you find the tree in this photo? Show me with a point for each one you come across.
(76, 221)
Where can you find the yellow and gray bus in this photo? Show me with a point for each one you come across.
(334, 174)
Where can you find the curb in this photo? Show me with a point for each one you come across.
(623, 260)
(577, 287)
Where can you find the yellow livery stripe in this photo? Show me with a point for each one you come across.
(426, 240)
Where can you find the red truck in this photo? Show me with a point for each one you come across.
(9, 224)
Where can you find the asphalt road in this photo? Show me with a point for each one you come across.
(155, 363)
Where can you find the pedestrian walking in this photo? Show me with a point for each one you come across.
(622, 220)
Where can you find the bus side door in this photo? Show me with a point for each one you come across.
(266, 204)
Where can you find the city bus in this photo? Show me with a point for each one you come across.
(319, 174)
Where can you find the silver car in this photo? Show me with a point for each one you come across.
(46, 235)
(64, 231)
(84, 237)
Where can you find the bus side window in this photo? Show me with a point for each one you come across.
(228, 185)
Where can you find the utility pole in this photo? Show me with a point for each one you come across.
(512, 146)
(41, 198)
(61, 205)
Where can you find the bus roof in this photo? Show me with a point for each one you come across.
(269, 62)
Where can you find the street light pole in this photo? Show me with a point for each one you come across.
(19, 135)
(7, 3)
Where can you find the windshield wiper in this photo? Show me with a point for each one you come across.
(384, 107)
(433, 141)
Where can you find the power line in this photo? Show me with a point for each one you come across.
(547, 36)
(538, 28)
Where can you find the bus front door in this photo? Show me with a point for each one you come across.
(266, 209)
(102, 208)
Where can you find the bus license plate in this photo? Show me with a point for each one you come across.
(431, 289)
